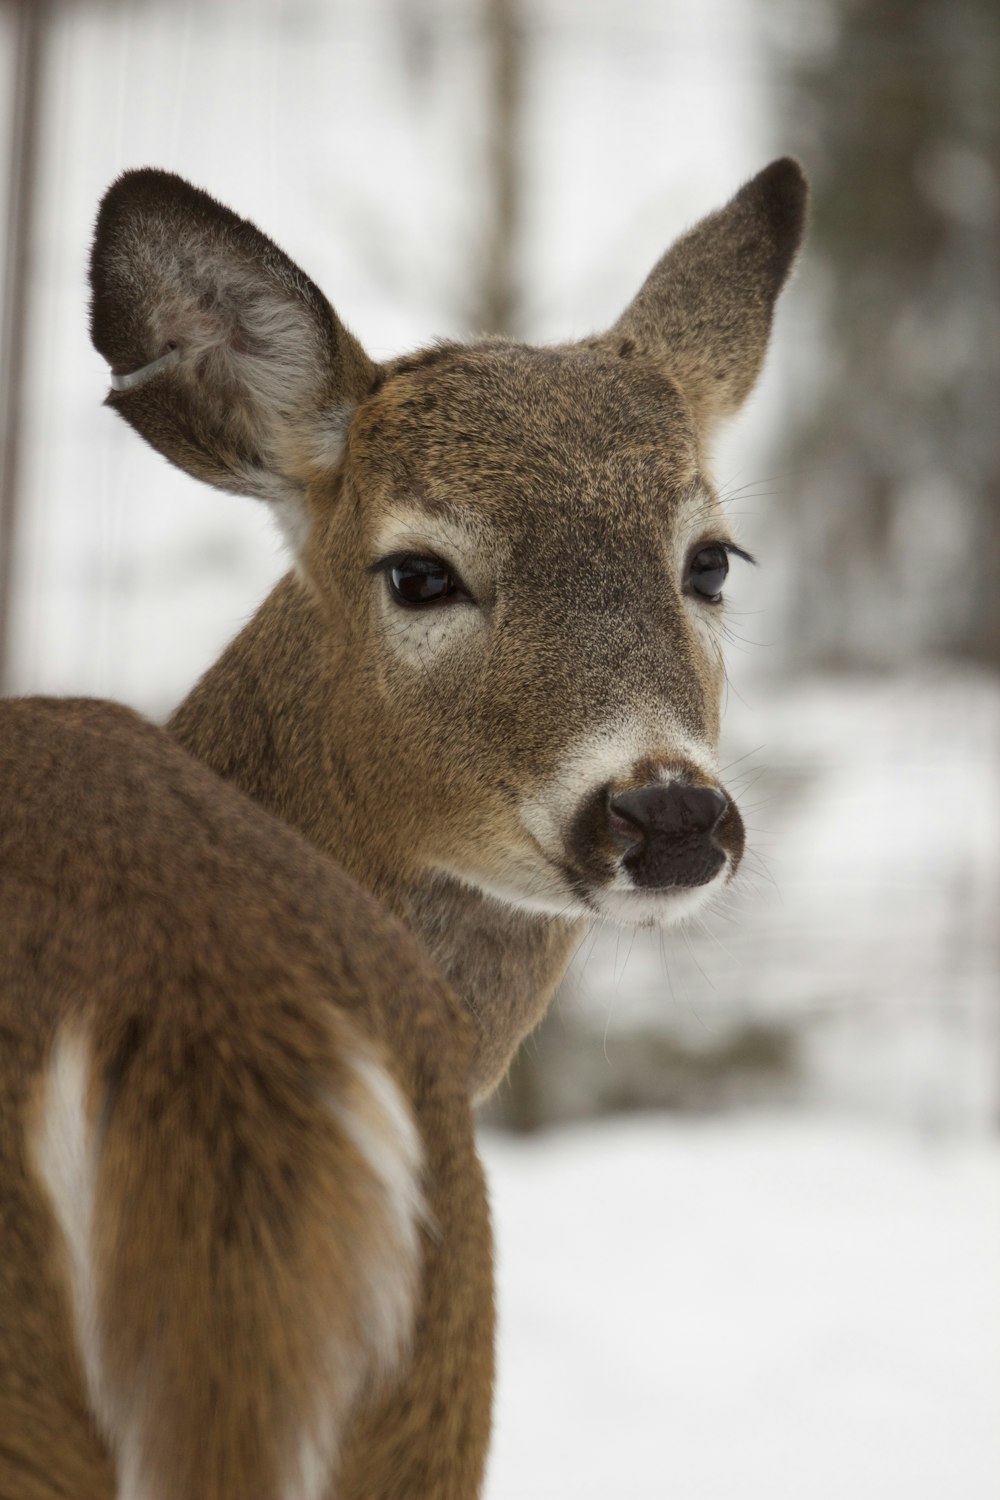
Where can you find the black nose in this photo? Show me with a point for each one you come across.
(670, 829)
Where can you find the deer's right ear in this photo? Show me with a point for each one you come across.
(223, 354)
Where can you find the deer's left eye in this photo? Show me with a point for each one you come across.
(707, 572)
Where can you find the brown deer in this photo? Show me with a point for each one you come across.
(255, 968)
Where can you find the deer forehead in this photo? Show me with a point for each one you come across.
(514, 444)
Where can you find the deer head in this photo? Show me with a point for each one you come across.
(497, 667)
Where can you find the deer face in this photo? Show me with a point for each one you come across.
(532, 558)
(517, 552)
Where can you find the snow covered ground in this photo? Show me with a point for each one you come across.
(758, 1307)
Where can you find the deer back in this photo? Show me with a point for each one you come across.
(237, 1148)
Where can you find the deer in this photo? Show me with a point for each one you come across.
(258, 965)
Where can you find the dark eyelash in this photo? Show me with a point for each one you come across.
(735, 551)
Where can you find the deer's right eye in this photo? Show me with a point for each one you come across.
(415, 580)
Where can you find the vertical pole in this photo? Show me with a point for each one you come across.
(24, 163)
(499, 300)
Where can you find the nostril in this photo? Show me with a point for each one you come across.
(625, 826)
(713, 804)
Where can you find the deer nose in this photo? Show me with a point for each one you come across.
(669, 832)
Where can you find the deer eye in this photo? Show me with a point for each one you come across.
(415, 580)
(708, 570)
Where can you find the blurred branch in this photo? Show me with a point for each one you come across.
(498, 300)
(30, 21)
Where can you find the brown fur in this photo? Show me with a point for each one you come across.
(224, 952)
(226, 1003)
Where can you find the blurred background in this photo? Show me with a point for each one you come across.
(746, 1176)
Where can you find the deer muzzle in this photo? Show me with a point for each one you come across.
(669, 833)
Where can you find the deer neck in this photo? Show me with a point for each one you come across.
(505, 964)
(259, 718)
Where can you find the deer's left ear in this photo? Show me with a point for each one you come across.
(704, 312)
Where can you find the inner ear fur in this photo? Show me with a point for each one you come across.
(259, 392)
(704, 311)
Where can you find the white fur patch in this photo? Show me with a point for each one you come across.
(420, 636)
(308, 1476)
(542, 891)
(292, 520)
(527, 883)
(61, 1148)
(383, 1130)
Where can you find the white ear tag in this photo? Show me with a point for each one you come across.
(139, 377)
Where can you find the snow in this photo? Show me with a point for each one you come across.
(762, 1306)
